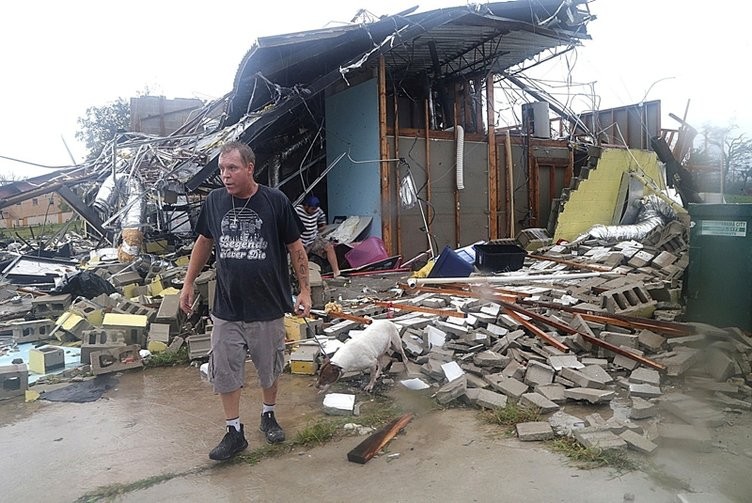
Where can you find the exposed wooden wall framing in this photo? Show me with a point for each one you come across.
(387, 228)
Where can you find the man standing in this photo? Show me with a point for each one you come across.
(313, 219)
(251, 228)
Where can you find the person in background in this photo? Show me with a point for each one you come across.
(313, 219)
(251, 228)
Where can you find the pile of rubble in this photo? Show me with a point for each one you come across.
(135, 316)
(587, 341)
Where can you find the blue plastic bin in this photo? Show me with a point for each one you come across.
(450, 265)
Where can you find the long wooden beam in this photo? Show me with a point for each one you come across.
(666, 328)
(420, 309)
(537, 331)
(592, 340)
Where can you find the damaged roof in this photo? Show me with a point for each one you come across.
(442, 43)
(281, 73)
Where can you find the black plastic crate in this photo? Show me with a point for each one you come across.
(499, 257)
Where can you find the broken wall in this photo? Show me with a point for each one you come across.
(453, 222)
(535, 187)
(596, 197)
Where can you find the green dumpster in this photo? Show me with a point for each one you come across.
(719, 278)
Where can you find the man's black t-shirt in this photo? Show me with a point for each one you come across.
(253, 281)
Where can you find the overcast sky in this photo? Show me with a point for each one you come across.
(58, 58)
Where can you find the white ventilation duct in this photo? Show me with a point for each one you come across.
(460, 157)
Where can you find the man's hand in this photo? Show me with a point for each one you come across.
(303, 304)
(186, 298)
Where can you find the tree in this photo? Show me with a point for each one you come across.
(100, 124)
(9, 177)
(726, 147)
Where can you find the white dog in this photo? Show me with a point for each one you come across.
(362, 353)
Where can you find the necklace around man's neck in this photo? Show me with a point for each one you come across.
(234, 211)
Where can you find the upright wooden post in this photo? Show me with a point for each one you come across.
(493, 168)
(386, 200)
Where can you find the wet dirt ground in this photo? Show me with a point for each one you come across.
(165, 421)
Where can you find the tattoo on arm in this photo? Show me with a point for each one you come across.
(300, 264)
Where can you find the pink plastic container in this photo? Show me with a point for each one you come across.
(367, 251)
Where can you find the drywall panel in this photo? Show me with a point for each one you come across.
(352, 125)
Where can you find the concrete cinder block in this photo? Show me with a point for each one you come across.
(638, 442)
(580, 379)
(27, 331)
(632, 299)
(553, 392)
(618, 339)
(559, 362)
(650, 341)
(597, 374)
(719, 365)
(565, 424)
(589, 394)
(126, 278)
(644, 391)
(339, 404)
(538, 401)
(452, 390)
(159, 332)
(169, 312)
(538, 373)
(507, 385)
(50, 306)
(71, 323)
(175, 345)
(125, 306)
(642, 409)
(91, 311)
(490, 359)
(486, 399)
(14, 380)
(134, 326)
(199, 346)
(98, 340)
(682, 361)
(599, 439)
(116, 359)
(45, 359)
(644, 375)
(626, 362)
(534, 431)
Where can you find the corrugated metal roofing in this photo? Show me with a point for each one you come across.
(467, 40)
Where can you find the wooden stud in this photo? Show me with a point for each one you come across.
(386, 202)
(493, 182)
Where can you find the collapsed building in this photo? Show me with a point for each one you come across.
(393, 121)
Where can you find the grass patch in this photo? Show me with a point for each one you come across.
(510, 415)
(258, 454)
(167, 359)
(587, 457)
(316, 433)
(112, 491)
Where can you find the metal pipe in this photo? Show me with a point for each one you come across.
(413, 282)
